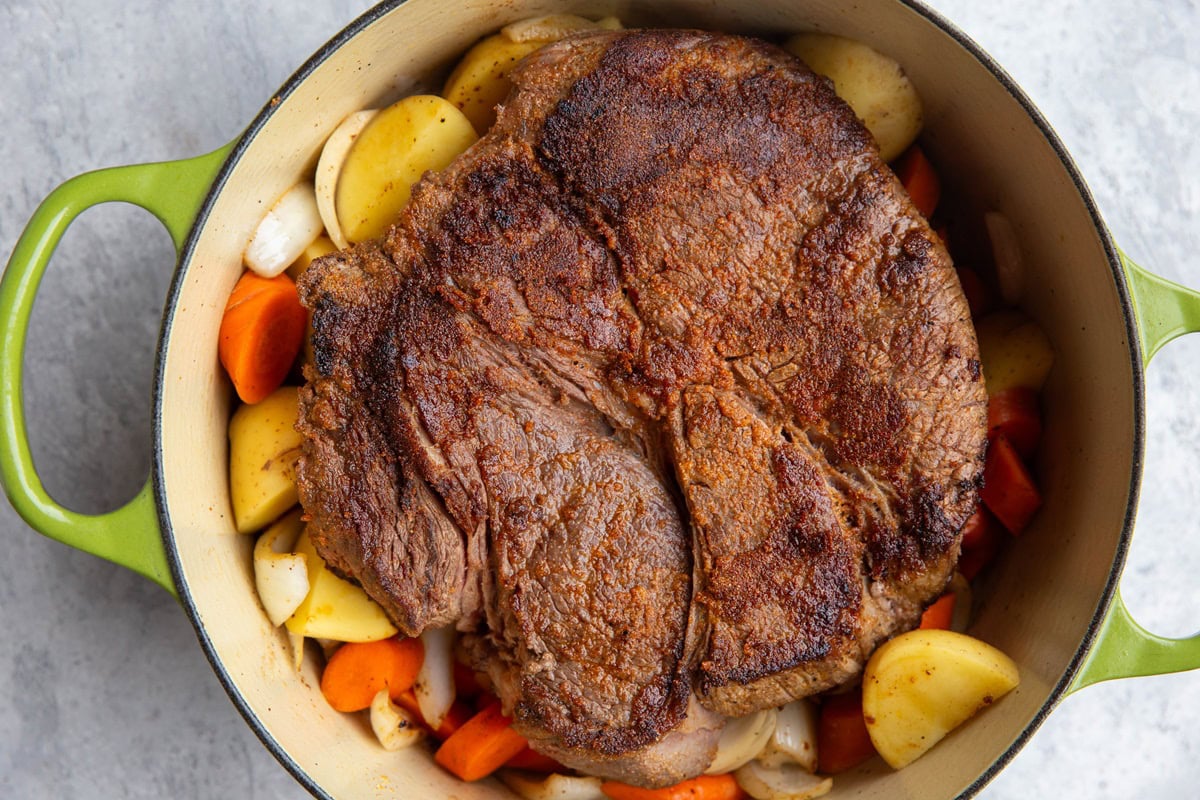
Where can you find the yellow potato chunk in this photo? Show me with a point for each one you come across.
(1013, 350)
(874, 85)
(334, 608)
(263, 447)
(923, 684)
(480, 81)
(394, 150)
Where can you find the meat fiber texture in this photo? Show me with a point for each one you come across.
(663, 393)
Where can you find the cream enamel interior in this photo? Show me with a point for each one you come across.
(1036, 604)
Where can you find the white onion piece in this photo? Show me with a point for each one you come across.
(741, 740)
(963, 598)
(794, 740)
(393, 726)
(435, 682)
(785, 782)
(329, 167)
(296, 640)
(280, 575)
(1006, 252)
(553, 27)
(290, 226)
(551, 787)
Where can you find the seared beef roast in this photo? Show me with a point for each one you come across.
(663, 390)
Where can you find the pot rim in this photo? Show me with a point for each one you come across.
(379, 11)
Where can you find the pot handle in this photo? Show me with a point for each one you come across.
(171, 191)
(1124, 649)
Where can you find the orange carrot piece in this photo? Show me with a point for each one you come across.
(357, 671)
(1009, 490)
(261, 332)
(481, 745)
(1014, 414)
(842, 738)
(979, 296)
(981, 540)
(704, 787)
(919, 179)
(940, 613)
(534, 761)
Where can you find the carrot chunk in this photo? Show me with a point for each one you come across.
(481, 745)
(1013, 413)
(979, 296)
(842, 738)
(981, 540)
(940, 613)
(261, 332)
(704, 787)
(358, 670)
(534, 761)
(1009, 490)
(919, 179)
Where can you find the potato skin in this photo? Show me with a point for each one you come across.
(873, 84)
(263, 447)
(921, 685)
(480, 81)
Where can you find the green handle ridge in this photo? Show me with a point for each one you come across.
(1123, 649)
(1165, 310)
(173, 192)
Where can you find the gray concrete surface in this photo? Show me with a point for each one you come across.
(104, 691)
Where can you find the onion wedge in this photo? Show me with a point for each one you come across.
(741, 740)
(329, 167)
(393, 726)
(551, 787)
(1006, 252)
(280, 575)
(553, 27)
(794, 740)
(290, 226)
(785, 782)
(435, 682)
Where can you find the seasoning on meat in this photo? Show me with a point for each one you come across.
(663, 390)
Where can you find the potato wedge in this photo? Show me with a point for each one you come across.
(334, 608)
(480, 81)
(263, 447)
(873, 84)
(921, 685)
(394, 150)
(1013, 350)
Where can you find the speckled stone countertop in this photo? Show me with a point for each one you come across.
(104, 691)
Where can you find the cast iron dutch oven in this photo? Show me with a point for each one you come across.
(1105, 316)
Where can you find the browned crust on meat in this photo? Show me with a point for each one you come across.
(672, 298)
